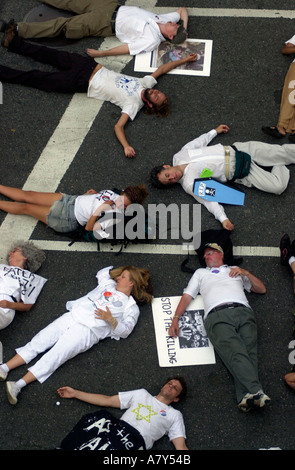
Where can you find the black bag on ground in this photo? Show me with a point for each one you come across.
(222, 238)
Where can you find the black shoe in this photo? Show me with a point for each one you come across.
(9, 33)
(285, 249)
(272, 131)
(3, 26)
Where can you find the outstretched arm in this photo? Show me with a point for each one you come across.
(179, 443)
(19, 306)
(181, 308)
(120, 134)
(166, 68)
(183, 13)
(118, 50)
(92, 398)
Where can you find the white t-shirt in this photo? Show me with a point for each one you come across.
(217, 287)
(122, 307)
(20, 284)
(292, 41)
(86, 204)
(139, 29)
(152, 418)
(122, 90)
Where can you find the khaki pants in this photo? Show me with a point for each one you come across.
(287, 109)
(93, 18)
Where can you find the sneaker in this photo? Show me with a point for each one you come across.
(261, 399)
(285, 249)
(3, 374)
(246, 404)
(12, 390)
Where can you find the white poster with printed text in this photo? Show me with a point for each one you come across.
(193, 346)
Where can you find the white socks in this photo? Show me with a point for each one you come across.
(21, 383)
(4, 367)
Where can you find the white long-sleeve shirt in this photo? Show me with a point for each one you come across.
(200, 157)
(122, 307)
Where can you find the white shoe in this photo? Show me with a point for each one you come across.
(261, 399)
(246, 403)
(3, 374)
(12, 390)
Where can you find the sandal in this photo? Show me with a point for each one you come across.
(273, 131)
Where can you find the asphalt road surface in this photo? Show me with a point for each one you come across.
(56, 142)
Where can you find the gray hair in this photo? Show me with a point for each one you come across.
(34, 256)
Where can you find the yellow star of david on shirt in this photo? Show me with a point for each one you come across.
(147, 408)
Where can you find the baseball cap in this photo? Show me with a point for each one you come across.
(215, 246)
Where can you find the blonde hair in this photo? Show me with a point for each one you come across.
(142, 288)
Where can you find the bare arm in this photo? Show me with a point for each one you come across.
(288, 48)
(119, 50)
(119, 129)
(179, 443)
(19, 306)
(257, 286)
(181, 308)
(92, 398)
(104, 207)
(183, 13)
(166, 68)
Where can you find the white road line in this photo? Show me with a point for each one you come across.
(233, 12)
(149, 248)
(60, 152)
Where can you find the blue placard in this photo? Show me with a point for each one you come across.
(212, 190)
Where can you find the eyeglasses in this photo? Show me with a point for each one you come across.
(209, 253)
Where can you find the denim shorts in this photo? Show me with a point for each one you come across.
(61, 217)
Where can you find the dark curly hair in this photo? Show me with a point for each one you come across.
(182, 382)
(155, 179)
(161, 110)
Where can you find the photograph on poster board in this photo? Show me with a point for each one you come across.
(167, 52)
(193, 346)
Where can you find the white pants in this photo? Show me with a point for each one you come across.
(273, 155)
(64, 339)
(6, 318)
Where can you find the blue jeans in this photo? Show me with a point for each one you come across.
(61, 217)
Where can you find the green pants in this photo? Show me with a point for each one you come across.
(92, 18)
(233, 333)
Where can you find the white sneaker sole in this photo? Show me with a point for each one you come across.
(11, 397)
